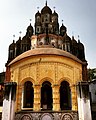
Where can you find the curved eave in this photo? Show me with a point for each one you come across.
(45, 51)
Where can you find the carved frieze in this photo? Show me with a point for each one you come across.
(47, 115)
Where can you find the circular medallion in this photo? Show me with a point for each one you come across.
(26, 117)
(67, 117)
(46, 117)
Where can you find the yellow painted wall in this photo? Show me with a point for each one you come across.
(39, 68)
(0, 109)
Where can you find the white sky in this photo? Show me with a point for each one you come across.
(79, 17)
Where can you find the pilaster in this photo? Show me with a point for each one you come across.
(74, 97)
(56, 97)
(19, 97)
(37, 91)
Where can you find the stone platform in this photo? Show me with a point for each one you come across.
(46, 115)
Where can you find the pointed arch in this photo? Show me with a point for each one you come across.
(46, 79)
(64, 79)
(27, 79)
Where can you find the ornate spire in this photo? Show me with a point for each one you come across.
(46, 3)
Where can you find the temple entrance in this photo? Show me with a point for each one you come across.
(65, 96)
(46, 96)
(28, 95)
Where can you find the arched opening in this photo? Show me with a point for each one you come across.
(65, 96)
(28, 95)
(46, 96)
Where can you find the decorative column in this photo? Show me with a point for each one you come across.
(74, 97)
(84, 108)
(56, 97)
(37, 91)
(8, 111)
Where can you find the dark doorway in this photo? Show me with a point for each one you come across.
(46, 96)
(65, 96)
(28, 95)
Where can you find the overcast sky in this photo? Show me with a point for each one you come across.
(79, 16)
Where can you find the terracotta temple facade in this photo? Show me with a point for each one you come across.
(47, 70)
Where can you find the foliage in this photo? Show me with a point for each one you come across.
(91, 74)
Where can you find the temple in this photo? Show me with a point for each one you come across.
(48, 69)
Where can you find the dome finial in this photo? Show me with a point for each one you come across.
(38, 8)
(62, 22)
(13, 38)
(78, 39)
(72, 35)
(20, 34)
(54, 8)
(30, 21)
(46, 3)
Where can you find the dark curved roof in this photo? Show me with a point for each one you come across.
(18, 41)
(25, 40)
(74, 41)
(44, 51)
(68, 39)
(30, 27)
(62, 27)
(38, 14)
(45, 10)
(55, 14)
(11, 46)
(80, 45)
